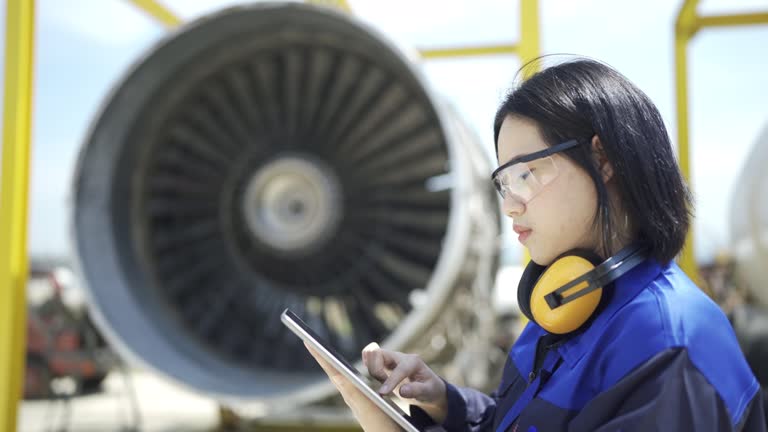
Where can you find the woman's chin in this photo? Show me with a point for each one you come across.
(540, 257)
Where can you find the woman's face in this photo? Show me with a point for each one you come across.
(560, 217)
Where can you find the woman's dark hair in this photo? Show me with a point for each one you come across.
(583, 98)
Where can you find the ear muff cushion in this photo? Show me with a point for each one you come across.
(525, 287)
(570, 316)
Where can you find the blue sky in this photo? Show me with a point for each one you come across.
(84, 46)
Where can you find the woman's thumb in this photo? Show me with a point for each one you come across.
(417, 390)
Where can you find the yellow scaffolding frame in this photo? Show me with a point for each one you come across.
(14, 189)
(14, 177)
(527, 48)
(687, 25)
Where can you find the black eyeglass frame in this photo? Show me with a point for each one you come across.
(537, 155)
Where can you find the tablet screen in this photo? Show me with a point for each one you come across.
(347, 365)
(325, 345)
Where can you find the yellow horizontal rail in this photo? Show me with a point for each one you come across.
(468, 51)
(733, 20)
(158, 12)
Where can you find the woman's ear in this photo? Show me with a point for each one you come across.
(601, 160)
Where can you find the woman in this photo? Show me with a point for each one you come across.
(587, 170)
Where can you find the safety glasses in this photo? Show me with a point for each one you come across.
(523, 177)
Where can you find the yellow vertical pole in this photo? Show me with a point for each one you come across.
(685, 29)
(17, 115)
(528, 48)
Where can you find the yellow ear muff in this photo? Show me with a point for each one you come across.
(569, 316)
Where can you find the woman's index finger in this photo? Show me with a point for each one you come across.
(403, 371)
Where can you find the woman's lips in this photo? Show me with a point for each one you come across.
(522, 232)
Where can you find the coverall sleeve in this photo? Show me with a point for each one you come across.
(469, 410)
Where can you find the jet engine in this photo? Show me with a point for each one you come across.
(283, 155)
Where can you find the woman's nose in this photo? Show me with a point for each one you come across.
(512, 207)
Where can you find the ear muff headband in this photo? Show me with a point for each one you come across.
(610, 270)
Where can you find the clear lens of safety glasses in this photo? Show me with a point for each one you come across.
(522, 181)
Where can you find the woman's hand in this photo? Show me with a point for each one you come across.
(410, 377)
(370, 416)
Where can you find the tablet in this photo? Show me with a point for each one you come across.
(303, 331)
